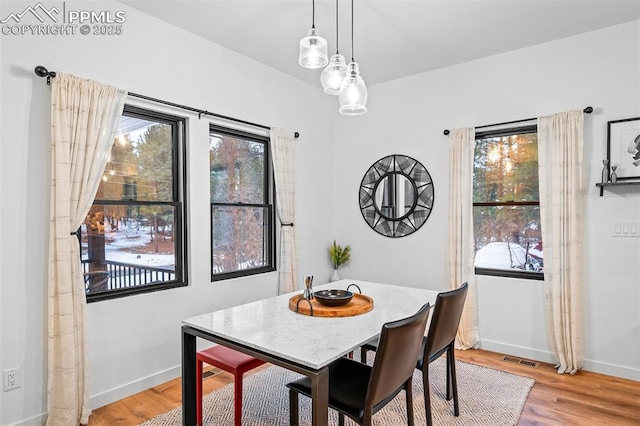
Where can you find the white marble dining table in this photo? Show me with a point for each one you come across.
(269, 330)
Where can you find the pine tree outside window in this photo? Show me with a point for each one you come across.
(506, 204)
(133, 238)
(242, 210)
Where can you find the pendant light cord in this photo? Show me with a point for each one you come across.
(313, 13)
(352, 60)
(337, 44)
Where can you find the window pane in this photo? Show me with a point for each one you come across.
(508, 237)
(132, 239)
(239, 236)
(237, 168)
(127, 246)
(506, 168)
(140, 164)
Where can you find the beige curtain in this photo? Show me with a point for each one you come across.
(84, 118)
(560, 152)
(283, 153)
(460, 247)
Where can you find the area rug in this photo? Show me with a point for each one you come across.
(487, 397)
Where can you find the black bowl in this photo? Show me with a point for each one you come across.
(333, 297)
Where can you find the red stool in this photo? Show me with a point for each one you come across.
(232, 361)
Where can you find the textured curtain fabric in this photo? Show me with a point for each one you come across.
(560, 152)
(84, 118)
(461, 253)
(283, 153)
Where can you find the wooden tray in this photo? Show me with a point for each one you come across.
(360, 304)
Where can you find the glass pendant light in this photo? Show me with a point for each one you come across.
(353, 92)
(313, 48)
(335, 72)
(333, 75)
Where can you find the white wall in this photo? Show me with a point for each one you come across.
(408, 116)
(135, 341)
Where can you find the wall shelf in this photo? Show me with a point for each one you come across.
(619, 183)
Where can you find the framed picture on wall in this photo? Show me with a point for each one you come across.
(623, 147)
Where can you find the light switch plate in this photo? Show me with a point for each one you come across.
(626, 229)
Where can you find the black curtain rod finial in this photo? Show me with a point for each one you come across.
(446, 132)
(43, 72)
(588, 110)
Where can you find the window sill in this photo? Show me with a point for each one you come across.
(510, 273)
(131, 291)
(243, 273)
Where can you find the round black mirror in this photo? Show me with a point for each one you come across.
(396, 196)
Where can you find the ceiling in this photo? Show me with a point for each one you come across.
(392, 38)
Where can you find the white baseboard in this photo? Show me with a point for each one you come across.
(521, 351)
(545, 356)
(115, 394)
(32, 421)
(612, 369)
(128, 389)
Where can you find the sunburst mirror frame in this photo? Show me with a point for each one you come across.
(423, 196)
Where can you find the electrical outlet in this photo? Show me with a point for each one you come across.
(11, 379)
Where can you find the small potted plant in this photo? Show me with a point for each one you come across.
(339, 256)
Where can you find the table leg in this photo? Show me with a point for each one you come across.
(320, 398)
(188, 378)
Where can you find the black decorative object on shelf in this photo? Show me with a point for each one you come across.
(396, 196)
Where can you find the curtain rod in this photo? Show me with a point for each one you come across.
(587, 110)
(41, 71)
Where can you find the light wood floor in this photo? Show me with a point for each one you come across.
(584, 399)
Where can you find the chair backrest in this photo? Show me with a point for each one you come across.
(445, 320)
(398, 349)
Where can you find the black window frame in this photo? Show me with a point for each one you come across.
(179, 167)
(507, 273)
(269, 202)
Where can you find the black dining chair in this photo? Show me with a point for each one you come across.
(440, 338)
(358, 390)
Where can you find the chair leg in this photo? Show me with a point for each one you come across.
(340, 419)
(199, 392)
(293, 408)
(449, 390)
(427, 396)
(363, 355)
(367, 418)
(454, 381)
(237, 399)
(408, 390)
